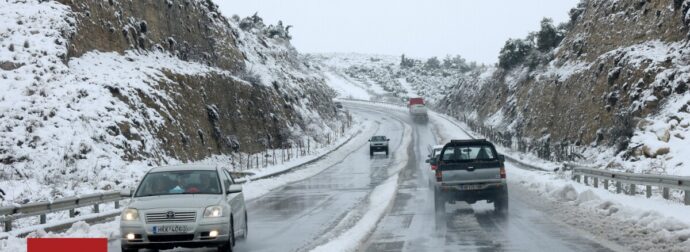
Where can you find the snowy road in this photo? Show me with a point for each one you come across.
(310, 212)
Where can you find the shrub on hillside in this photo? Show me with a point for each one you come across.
(513, 53)
(432, 63)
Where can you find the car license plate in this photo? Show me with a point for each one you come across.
(470, 187)
(170, 229)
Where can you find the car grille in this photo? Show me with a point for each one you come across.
(169, 238)
(167, 217)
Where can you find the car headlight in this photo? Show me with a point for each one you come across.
(213, 212)
(130, 214)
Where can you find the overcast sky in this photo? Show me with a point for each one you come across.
(475, 29)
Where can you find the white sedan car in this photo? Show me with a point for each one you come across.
(184, 206)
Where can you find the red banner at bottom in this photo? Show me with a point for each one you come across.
(67, 245)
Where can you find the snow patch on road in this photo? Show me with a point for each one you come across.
(258, 188)
(380, 199)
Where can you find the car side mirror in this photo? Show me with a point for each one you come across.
(501, 158)
(387, 139)
(427, 160)
(126, 193)
(433, 161)
(369, 140)
(234, 189)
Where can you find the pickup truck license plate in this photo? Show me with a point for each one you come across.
(170, 229)
(470, 187)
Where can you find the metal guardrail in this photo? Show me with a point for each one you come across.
(11, 213)
(619, 179)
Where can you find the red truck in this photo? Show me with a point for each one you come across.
(415, 101)
(417, 109)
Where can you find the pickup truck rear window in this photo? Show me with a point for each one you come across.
(378, 138)
(468, 153)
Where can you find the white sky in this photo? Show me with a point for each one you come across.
(474, 29)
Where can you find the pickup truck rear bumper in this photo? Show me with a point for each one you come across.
(473, 192)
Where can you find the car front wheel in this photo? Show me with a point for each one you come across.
(246, 226)
(227, 247)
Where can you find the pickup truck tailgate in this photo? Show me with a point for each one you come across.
(464, 173)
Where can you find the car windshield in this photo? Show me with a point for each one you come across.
(437, 152)
(468, 153)
(378, 138)
(179, 182)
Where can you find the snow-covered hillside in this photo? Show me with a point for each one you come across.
(386, 76)
(80, 114)
(617, 101)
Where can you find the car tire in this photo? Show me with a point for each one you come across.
(128, 249)
(246, 226)
(386, 152)
(227, 247)
(501, 203)
(371, 153)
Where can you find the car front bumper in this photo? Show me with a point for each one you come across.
(378, 148)
(198, 236)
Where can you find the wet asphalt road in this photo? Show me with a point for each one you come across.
(307, 213)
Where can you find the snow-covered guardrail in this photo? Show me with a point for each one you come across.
(11, 213)
(664, 182)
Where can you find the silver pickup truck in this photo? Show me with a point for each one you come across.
(470, 170)
(378, 144)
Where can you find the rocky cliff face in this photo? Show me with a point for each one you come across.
(621, 65)
(98, 90)
(613, 91)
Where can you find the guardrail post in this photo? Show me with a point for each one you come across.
(578, 177)
(606, 184)
(71, 213)
(95, 208)
(649, 191)
(687, 197)
(618, 187)
(117, 204)
(596, 182)
(586, 180)
(8, 225)
(665, 193)
(43, 219)
(632, 189)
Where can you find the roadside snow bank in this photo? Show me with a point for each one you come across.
(651, 224)
(78, 230)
